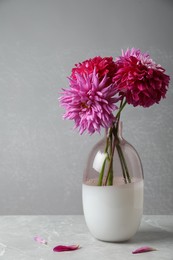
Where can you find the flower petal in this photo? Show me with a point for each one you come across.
(61, 248)
(143, 249)
(40, 240)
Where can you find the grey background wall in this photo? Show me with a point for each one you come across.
(41, 157)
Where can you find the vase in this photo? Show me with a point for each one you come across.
(113, 211)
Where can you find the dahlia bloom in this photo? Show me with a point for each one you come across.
(139, 79)
(103, 66)
(89, 101)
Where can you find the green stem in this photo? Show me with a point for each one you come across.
(102, 173)
(120, 109)
(125, 165)
(121, 161)
(104, 163)
(110, 162)
(107, 144)
(110, 176)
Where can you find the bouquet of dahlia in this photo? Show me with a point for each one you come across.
(100, 88)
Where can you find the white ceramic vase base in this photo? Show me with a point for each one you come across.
(113, 213)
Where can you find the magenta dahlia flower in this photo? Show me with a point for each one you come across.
(103, 66)
(89, 102)
(139, 79)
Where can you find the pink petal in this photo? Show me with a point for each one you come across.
(143, 249)
(40, 240)
(62, 248)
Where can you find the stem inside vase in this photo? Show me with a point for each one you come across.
(112, 142)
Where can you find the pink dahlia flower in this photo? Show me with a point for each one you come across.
(140, 79)
(89, 102)
(103, 66)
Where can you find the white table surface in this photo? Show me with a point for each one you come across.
(17, 239)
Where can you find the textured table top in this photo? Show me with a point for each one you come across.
(17, 239)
